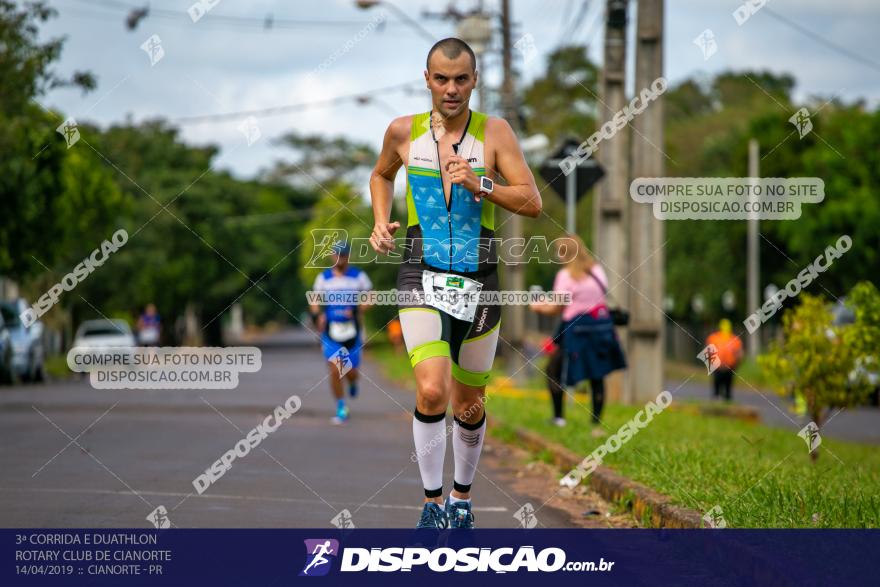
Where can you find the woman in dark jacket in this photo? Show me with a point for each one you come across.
(587, 346)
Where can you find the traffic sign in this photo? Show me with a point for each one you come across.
(587, 174)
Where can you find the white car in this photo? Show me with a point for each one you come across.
(103, 334)
(94, 336)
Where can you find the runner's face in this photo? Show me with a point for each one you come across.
(451, 82)
(341, 262)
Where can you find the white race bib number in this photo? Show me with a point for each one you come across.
(456, 295)
(149, 335)
(342, 331)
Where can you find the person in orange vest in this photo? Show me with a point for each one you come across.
(395, 334)
(728, 349)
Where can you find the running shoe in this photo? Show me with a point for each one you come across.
(459, 514)
(433, 517)
(342, 413)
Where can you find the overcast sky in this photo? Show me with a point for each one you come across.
(218, 65)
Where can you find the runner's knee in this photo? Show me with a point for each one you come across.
(468, 407)
(432, 396)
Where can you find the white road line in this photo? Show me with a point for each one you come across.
(230, 497)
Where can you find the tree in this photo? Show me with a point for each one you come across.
(33, 157)
(864, 335)
(25, 62)
(322, 160)
(814, 359)
(200, 238)
(708, 124)
(562, 103)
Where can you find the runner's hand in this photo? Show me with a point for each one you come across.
(462, 173)
(382, 238)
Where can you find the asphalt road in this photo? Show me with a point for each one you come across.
(73, 456)
(856, 424)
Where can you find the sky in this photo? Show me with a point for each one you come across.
(219, 64)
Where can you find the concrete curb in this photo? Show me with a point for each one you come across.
(644, 502)
(733, 411)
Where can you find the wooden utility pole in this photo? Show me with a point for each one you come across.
(514, 315)
(610, 203)
(753, 259)
(646, 256)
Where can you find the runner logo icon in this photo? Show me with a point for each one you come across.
(320, 553)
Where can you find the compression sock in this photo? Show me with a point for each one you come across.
(429, 436)
(467, 444)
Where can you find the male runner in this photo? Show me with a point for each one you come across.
(452, 157)
(340, 325)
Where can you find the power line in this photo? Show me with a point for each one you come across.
(597, 19)
(228, 19)
(361, 97)
(822, 40)
(576, 23)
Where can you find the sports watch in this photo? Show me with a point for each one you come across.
(486, 185)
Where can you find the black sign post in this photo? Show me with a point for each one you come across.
(571, 187)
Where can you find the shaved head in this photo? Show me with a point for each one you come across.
(452, 48)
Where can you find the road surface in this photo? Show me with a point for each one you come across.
(73, 456)
(857, 424)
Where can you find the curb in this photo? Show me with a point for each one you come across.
(732, 411)
(644, 502)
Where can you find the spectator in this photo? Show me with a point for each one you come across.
(587, 346)
(395, 334)
(728, 352)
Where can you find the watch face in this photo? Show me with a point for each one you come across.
(486, 184)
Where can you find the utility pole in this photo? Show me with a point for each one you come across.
(610, 203)
(514, 315)
(647, 319)
(753, 259)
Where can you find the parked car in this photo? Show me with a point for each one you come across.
(28, 352)
(7, 373)
(102, 334)
(94, 336)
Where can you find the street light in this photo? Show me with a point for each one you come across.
(367, 4)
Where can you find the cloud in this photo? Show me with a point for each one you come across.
(212, 67)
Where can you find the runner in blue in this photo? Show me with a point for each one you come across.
(340, 325)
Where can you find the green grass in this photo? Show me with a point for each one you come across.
(56, 367)
(761, 477)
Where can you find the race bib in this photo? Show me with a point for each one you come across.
(149, 335)
(456, 295)
(342, 331)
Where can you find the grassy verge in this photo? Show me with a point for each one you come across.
(56, 367)
(761, 477)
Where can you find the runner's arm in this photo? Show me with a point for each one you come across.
(382, 185)
(315, 310)
(520, 195)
